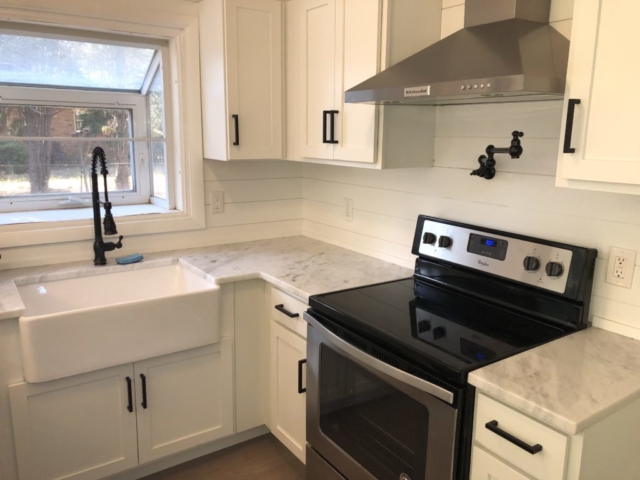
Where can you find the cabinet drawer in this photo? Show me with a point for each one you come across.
(487, 467)
(548, 463)
(291, 305)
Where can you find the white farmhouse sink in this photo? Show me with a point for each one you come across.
(84, 324)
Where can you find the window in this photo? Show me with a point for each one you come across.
(60, 97)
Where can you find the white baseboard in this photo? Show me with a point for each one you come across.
(192, 454)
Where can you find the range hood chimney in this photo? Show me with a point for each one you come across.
(507, 52)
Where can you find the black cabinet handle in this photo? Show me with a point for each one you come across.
(130, 395)
(300, 364)
(568, 133)
(325, 113)
(332, 138)
(493, 426)
(236, 122)
(144, 391)
(281, 308)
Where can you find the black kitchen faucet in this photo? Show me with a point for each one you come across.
(99, 245)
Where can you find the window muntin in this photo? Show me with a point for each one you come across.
(66, 63)
(157, 131)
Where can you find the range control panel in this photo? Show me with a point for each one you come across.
(537, 264)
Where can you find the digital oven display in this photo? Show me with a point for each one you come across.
(495, 248)
(489, 242)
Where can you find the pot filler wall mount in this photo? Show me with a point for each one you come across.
(506, 52)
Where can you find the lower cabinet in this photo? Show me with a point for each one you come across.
(184, 400)
(94, 425)
(487, 467)
(288, 382)
(80, 428)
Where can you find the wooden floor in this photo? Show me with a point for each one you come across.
(263, 458)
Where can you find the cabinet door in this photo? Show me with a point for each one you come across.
(189, 399)
(77, 428)
(487, 467)
(601, 75)
(254, 78)
(358, 24)
(317, 76)
(288, 405)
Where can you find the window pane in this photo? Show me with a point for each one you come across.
(29, 60)
(44, 121)
(156, 106)
(159, 169)
(61, 167)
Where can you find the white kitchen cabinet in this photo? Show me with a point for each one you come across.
(606, 449)
(288, 386)
(333, 45)
(184, 400)
(241, 69)
(79, 428)
(487, 467)
(97, 424)
(339, 47)
(601, 76)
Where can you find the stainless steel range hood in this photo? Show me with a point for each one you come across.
(507, 52)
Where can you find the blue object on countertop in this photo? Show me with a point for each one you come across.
(135, 258)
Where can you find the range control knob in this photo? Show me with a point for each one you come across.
(445, 242)
(439, 332)
(531, 264)
(429, 238)
(554, 269)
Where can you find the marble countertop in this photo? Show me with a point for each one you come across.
(570, 383)
(299, 265)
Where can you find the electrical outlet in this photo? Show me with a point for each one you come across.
(622, 265)
(348, 210)
(217, 202)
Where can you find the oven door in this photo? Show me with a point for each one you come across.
(370, 420)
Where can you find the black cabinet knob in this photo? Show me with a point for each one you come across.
(429, 238)
(439, 332)
(531, 264)
(554, 269)
(445, 242)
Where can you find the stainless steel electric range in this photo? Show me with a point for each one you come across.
(387, 365)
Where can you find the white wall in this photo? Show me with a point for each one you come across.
(262, 200)
(522, 198)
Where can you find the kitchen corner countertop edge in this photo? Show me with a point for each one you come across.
(571, 383)
(297, 265)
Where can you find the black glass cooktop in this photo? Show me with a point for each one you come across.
(437, 330)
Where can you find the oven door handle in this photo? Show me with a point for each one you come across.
(372, 362)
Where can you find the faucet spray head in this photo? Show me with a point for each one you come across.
(109, 223)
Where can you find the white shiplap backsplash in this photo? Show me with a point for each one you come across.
(522, 198)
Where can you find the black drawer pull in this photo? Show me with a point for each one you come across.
(281, 308)
(568, 133)
(300, 364)
(129, 395)
(144, 391)
(493, 426)
(236, 121)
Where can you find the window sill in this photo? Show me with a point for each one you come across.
(71, 214)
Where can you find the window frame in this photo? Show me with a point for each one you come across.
(136, 103)
(175, 22)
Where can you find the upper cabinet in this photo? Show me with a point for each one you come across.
(597, 150)
(333, 45)
(241, 68)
